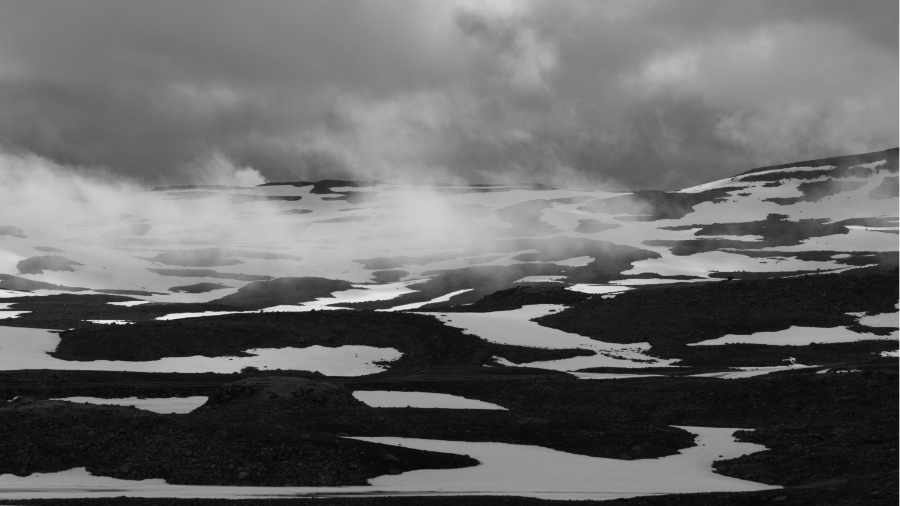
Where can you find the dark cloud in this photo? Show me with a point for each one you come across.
(634, 93)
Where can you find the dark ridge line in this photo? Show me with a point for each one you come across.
(889, 154)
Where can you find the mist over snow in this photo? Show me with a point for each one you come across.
(233, 237)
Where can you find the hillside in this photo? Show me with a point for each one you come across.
(733, 342)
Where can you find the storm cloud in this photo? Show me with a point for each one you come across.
(630, 93)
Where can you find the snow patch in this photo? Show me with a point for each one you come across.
(23, 348)
(162, 405)
(397, 399)
(416, 305)
(541, 279)
(798, 336)
(11, 314)
(129, 303)
(879, 320)
(505, 469)
(749, 372)
(516, 328)
(606, 375)
(595, 289)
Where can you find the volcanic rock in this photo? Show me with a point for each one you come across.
(284, 392)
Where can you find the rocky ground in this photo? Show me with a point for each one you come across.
(831, 438)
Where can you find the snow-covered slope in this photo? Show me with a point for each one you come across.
(394, 245)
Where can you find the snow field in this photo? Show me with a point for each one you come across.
(595, 289)
(515, 328)
(505, 469)
(749, 372)
(796, 336)
(397, 399)
(416, 305)
(162, 405)
(372, 398)
(23, 348)
(606, 375)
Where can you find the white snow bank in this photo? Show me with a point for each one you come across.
(163, 405)
(879, 320)
(416, 305)
(397, 399)
(6, 294)
(129, 303)
(860, 227)
(607, 375)
(179, 316)
(111, 322)
(11, 314)
(515, 328)
(575, 262)
(360, 293)
(796, 336)
(22, 348)
(856, 240)
(653, 281)
(890, 354)
(838, 371)
(749, 372)
(365, 293)
(703, 264)
(540, 279)
(505, 469)
(595, 289)
(789, 169)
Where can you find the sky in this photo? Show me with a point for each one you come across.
(621, 94)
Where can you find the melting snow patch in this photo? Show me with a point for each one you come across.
(879, 320)
(179, 316)
(11, 314)
(5, 294)
(129, 303)
(541, 279)
(23, 348)
(606, 375)
(111, 322)
(890, 354)
(836, 371)
(162, 405)
(396, 399)
(516, 328)
(416, 305)
(797, 336)
(595, 289)
(652, 281)
(365, 293)
(575, 262)
(860, 227)
(361, 293)
(506, 469)
(749, 372)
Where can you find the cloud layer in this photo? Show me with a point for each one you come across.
(632, 93)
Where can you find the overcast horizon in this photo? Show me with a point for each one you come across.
(620, 94)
